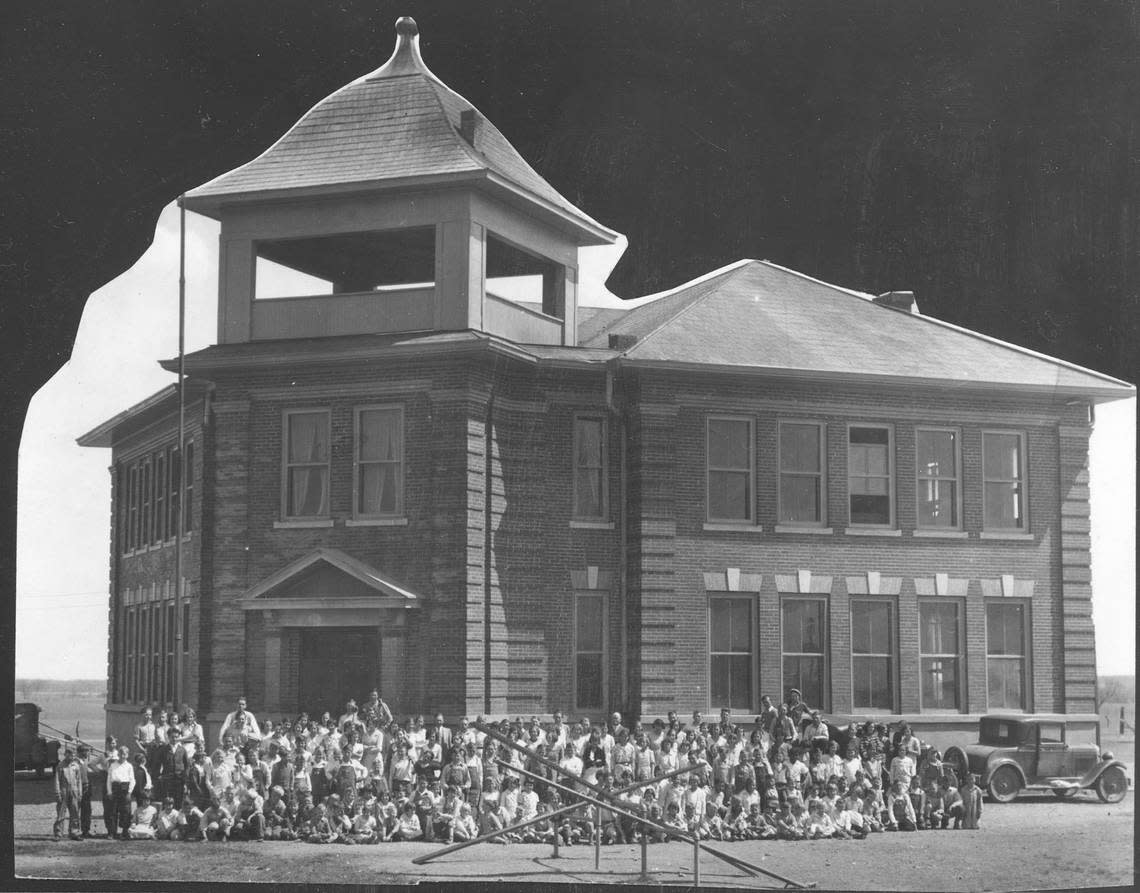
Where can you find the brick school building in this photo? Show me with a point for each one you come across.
(416, 461)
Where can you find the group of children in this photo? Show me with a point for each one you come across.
(364, 778)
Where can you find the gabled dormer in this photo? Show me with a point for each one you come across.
(393, 205)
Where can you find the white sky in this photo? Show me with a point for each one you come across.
(131, 323)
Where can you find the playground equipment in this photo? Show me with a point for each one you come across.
(609, 799)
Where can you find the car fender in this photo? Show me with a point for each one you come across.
(1090, 777)
(992, 766)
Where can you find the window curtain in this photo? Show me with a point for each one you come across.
(308, 445)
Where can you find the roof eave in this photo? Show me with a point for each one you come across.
(103, 436)
(1095, 395)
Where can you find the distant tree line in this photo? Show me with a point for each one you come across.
(31, 689)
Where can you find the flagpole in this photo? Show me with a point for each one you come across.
(179, 632)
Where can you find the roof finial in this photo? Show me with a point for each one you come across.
(406, 26)
(405, 57)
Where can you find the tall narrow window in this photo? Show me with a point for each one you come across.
(132, 509)
(801, 473)
(306, 464)
(161, 487)
(869, 475)
(148, 504)
(804, 637)
(940, 647)
(129, 648)
(937, 489)
(175, 501)
(1005, 655)
(589, 468)
(1003, 480)
(144, 652)
(380, 462)
(730, 652)
(156, 652)
(185, 626)
(729, 456)
(188, 496)
(168, 687)
(589, 651)
(872, 655)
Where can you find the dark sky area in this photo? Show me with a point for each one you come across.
(984, 154)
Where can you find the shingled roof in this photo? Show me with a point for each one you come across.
(398, 125)
(760, 316)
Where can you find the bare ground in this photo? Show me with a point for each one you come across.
(1036, 842)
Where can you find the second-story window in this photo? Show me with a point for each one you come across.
(379, 461)
(937, 478)
(729, 458)
(869, 475)
(1003, 480)
(306, 464)
(589, 467)
(801, 473)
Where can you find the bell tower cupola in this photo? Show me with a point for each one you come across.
(393, 206)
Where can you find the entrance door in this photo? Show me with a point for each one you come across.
(337, 663)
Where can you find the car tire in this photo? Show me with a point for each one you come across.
(1065, 793)
(1005, 784)
(1112, 785)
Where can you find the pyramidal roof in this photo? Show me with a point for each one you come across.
(758, 315)
(396, 126)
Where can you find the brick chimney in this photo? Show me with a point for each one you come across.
(469, 126)
(898, 300)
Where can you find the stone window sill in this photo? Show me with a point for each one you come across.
(791, 528)
(592, 525)
(872, 531)
(376, 522)
(941, 534)
(1011, 536)
(301, 525)
(733, 528)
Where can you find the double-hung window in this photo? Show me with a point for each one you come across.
(729, 469)
(1006, 655)
(1003, 480)
(870, 475)
(804, 636)
(802, 479)
(940, 653)
(873, 655)
(938, 482)
(730, 652)
(379, 462)
(306, 479)
(589, 650)
(590, 468)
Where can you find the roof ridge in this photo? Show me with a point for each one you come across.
(707, 277)
(981, 336)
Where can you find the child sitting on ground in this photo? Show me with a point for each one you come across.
(144, 823)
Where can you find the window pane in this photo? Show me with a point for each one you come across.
(589, 623)
(308, 493)
(588, 682)
(588, 492)
(870, 509)
(800, 498)
(381, 435)
(940, 683)
(870, 435)
(728, 495)
(870, 627)
(1005, 683)
(806, 674)
(937, 503)
(720, 680)
(728, 443)
(741, 682)
(308, 437)
(1003, 505)
(799, 448)
(720, 624)
(803, 625)
(939, 628)
(936, 453)
(869, 460)
(1002, 457)
(872, 683)
(379, 486)
(741, 636)
(588, 441)
(1004, 629)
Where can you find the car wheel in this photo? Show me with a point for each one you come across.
(1112, 785)
(1065, 793)
(1004, 784)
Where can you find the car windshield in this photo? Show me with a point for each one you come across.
(1001, 732)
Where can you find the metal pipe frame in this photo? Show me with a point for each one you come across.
(455, 847)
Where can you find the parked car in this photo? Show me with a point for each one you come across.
(32, 750)
(1033, 752)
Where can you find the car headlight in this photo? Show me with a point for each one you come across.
(1107, 755)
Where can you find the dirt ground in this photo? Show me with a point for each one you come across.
(1037, 842)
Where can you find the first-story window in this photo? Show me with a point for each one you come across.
(730, 652)
(729, 469)
(306, 464)
(1006, 655)
(380, 461)
(870, 475)
(589, 651)
(872, 655)
(940, 654)
(589, 467)
(1003, 480)
(804, 637)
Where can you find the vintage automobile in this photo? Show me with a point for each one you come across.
(1038, 752)
(31, 749)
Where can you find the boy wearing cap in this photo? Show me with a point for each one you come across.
(69, 784)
